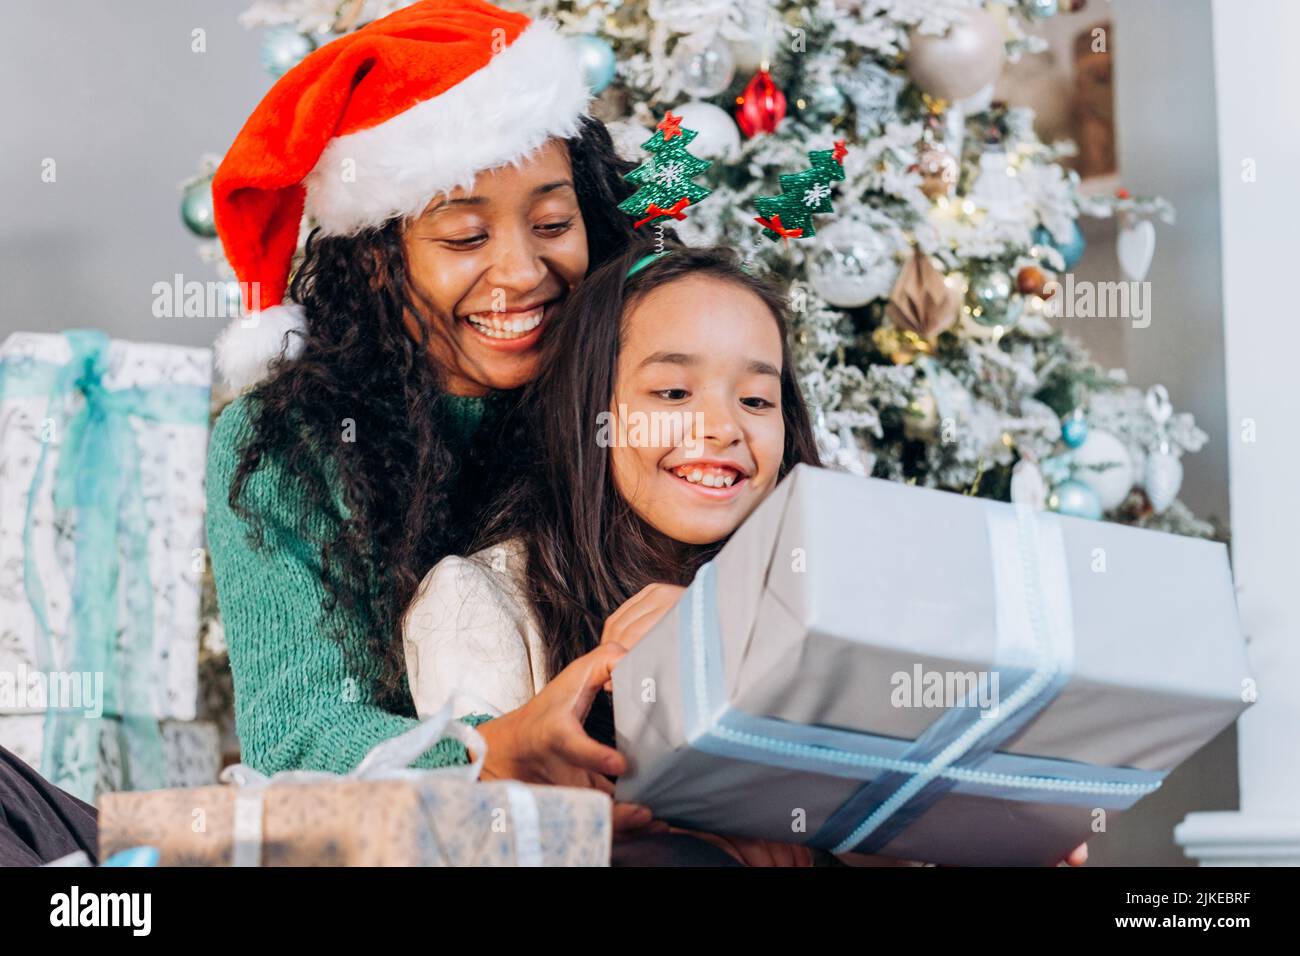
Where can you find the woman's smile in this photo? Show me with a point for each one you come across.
(513, 330)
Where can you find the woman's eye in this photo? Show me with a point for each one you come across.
(556, 228)
(755, 401)
(464, 243)
(672, 394)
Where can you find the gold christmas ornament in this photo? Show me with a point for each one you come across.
(901, 345)
(922, 302)
(938, 169)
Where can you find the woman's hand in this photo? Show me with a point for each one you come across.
(543, 741)
(638, 614)
(755, 852)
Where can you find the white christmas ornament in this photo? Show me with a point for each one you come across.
(1164, 478)
(963, 61)
(719, 137)
(1135, 246)
(1164, 470)
(1113, 483)
(1027, 485)
(996, 187)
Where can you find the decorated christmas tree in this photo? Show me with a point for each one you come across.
(924, 301)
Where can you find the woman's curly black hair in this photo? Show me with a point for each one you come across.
(412, 495)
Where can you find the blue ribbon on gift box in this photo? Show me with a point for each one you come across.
(956, 753)
(98, 478)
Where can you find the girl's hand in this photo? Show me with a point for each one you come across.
(638, 614)
(543, 741)
(1078, 856)
(755, 852)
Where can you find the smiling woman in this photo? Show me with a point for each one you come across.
(491, 268)
(447, 233)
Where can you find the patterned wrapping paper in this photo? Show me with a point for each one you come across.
(424, 820)
(191, 751)
(172, 460)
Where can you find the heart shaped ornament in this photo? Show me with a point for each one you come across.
(1135, 247)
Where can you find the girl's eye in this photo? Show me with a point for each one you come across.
(755, 401)
(672, 394)
(556, 228)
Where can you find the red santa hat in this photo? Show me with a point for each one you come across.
(371, 127)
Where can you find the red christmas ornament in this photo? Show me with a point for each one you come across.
(761, 106)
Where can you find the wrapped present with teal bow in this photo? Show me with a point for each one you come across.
(383, 813)
(103, 447)
(191, 751)
(873, 667)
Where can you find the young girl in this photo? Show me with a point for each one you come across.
(666, 411)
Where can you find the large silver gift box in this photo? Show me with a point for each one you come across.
(874, 667)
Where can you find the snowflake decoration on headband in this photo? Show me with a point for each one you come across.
(789, 215)
(665, 181)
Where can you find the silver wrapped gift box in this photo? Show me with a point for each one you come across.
(879, 668)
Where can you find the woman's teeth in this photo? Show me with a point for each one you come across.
(710, 477)
(510, 326)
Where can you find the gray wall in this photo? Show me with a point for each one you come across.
(113, 94)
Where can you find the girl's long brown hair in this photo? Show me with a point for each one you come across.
(587, 551)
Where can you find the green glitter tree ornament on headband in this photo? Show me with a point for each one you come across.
(665, 181)
(789, 215)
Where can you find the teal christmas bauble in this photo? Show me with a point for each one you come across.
(597, 59)
(1074, 430)
(283, 48)
(196, 209)
(992, 299)
(1076, 499)
(1071, 250)
(1042, 9)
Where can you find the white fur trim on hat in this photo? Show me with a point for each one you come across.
(532, 90)
(249, 344)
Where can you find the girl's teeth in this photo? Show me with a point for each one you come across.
(710, 480)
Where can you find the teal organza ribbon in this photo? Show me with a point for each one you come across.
(98, 478)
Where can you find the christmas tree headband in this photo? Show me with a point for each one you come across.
(666, 186)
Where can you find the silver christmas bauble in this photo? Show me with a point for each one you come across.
(851, 265)
(703, 71)
(992, 299)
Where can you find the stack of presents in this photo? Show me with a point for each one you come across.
(866, 667)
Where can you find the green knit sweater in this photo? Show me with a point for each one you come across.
(297, 705)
